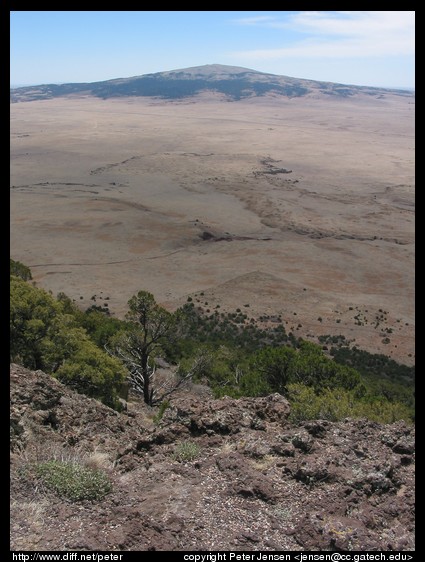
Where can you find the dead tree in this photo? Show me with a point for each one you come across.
(143, 381)
(150, 327)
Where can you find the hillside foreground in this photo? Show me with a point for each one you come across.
(209, 475)
(299, 207)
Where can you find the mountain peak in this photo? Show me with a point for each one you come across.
(234, 82)
(212, 70)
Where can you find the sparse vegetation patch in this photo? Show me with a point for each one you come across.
(74, 481)
(186, 451)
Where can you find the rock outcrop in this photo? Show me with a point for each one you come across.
(249, 481)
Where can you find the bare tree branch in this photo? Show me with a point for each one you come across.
(152, 325)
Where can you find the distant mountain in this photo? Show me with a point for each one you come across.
(233, 82)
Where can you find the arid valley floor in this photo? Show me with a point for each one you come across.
(298, 207)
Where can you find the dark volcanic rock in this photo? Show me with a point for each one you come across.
(249, 481)
(43, 409)
(227, 415)
(245, 480)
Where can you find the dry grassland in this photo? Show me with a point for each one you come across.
(112, 196)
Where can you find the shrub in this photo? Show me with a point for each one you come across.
(274, 365)
(20, 270)
(32, 312)
(339, 403)
(186, 451)
(164, 405)
(254, 384)
(45, 334)
(74, 481)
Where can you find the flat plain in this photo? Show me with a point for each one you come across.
(302, 208)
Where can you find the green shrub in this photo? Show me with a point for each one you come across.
(74, 481)
(32, 313)
(164, 405)
(339, 403)
(274, 363)
(45, 334)
(20, 270)
(254, 383)
(186, 451)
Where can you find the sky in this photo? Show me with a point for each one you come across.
(369, 48)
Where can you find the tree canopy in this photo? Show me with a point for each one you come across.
(43, 336)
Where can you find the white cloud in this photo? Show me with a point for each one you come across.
(355, 24)
(254, 20)
(341, 34)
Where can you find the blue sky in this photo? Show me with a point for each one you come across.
(371, 48)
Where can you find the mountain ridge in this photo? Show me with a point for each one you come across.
(234, 82)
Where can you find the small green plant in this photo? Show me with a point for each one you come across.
(186, 451)
(164, 405)
(282, 512)
(73, 480)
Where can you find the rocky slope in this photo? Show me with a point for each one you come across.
(252, 481)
